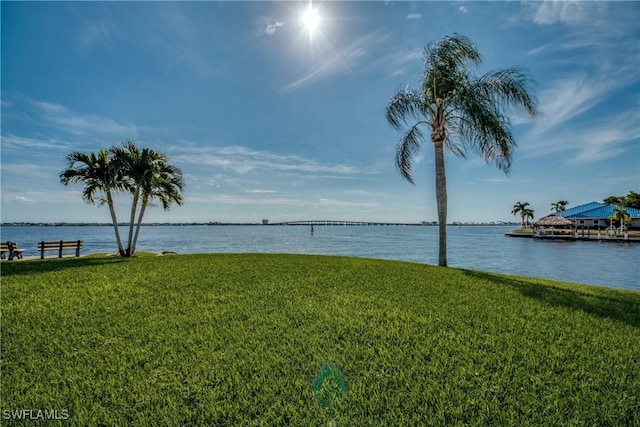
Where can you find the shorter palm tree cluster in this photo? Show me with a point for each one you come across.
(144, 173)
(525, 212)
(622, 217)
(559, 206)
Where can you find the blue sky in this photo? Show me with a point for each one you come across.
(269, 121)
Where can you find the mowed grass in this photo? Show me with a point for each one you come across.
(269, 340)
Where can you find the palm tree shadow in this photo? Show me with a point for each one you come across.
(621, 307)
(24, 268)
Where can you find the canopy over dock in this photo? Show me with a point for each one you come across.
(552, 225)
(553, 221)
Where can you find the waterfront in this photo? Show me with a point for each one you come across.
(473, 247)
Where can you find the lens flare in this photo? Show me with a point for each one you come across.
(311, 20)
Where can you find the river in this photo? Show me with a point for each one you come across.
(472, 247)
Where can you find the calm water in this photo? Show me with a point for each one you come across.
(473, 247)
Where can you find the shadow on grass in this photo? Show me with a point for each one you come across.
(622, 307)
(44, 266)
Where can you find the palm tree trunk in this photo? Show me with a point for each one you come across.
(441, 201)
(134, 206)
(112, 211)
(145, 200)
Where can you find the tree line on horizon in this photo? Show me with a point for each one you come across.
(631, 200)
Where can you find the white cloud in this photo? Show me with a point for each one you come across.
(259, 191)
(569, 128)
(327, 68)
(70, 125)
(414, 16)
(50, 108)
(342, 205)
(272, 28)
(599, 61)
(56, 197)
(22, 199)
(566, 12)
(13, 141)
(288, 206)
(26, 171)
(604, 142)
(344, 60)
(243, 160)
(462, 9)
(400, 61)
(567, 98)
(317, 205)
(95, 33)
(584, 143)
(61, 117)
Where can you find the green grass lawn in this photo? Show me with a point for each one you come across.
(274, 340)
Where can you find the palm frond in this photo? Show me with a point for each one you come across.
(406, 104)
(94, 170)
(447, 65)
(149, 173)
(509, 88)
(407, 148)
(475, 111)
(519, 207)
(456, 148)
(454, 49)
(453, 129)
(483, 127)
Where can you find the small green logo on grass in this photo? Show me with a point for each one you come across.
(329, 386)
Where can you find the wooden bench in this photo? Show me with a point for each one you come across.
(12, 248)
(59, 245)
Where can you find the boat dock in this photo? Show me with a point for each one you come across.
(590, 237)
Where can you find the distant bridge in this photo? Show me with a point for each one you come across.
(322, 222)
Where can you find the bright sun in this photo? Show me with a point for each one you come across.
(311, 20)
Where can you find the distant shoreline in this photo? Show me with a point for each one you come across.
(182, 224)
(581, 238)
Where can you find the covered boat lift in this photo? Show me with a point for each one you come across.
(553, 226)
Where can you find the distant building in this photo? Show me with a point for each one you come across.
(596, 214)
(265, 222)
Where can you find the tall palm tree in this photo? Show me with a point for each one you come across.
(521, 208)
(147, 175)
(99, 175)
(559, 206)
(461, 111)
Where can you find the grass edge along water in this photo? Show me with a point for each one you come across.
(230, 339)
